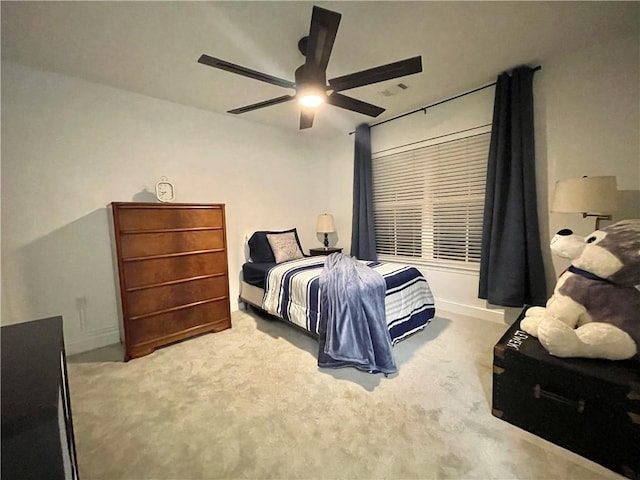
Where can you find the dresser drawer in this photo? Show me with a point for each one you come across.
(138, 273)
(163, 327)
(168, 217)
(149, 300)
(147, 244)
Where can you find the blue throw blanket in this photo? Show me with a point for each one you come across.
(353, 329)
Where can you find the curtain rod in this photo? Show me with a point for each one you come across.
(436, 138)
(424, 109)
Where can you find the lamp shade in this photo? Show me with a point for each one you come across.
(594, 195)
(325, 224)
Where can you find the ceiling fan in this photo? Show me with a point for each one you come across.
(311, 86)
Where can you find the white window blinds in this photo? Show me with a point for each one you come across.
(428, 202)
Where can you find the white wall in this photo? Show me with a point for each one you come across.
(587, 110)
(587, 122)
(590, 102)
(70, 147)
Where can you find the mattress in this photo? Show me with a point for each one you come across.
(256, 273)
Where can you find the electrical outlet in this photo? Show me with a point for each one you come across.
(81, 303)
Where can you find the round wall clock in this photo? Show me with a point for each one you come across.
(165, 191)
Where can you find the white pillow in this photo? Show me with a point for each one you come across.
(284, 246)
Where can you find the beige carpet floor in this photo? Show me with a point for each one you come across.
(250, 402)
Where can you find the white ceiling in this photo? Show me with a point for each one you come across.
(151, 47)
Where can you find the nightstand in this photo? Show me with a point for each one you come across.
(324, 251)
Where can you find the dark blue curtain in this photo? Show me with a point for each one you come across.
(511, 266)
(363, 239)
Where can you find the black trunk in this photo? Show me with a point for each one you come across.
(589, 406)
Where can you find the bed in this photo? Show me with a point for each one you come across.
(289, 289)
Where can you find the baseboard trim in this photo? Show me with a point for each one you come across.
(496, 316)
(102, 339)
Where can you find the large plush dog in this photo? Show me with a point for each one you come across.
(595, 308)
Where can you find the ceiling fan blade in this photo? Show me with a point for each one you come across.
(306, 118)
(266, 103)
(377, 74)
(322, 34)
(246, 72)
(349, 103)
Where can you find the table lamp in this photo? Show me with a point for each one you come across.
(325, 225)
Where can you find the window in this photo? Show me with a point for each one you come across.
(428, 202)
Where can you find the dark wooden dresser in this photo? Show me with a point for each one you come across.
(172, 265)
(37, 427)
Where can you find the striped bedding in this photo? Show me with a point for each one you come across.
(291, 293)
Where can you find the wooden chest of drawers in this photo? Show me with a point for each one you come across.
(172, 265)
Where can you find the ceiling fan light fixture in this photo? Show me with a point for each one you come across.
(311, 97)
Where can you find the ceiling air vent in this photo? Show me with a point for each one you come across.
(394, 90)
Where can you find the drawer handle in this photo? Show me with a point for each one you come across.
(538, 392)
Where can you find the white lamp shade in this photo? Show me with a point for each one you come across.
(595, 195)
(325, 224)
